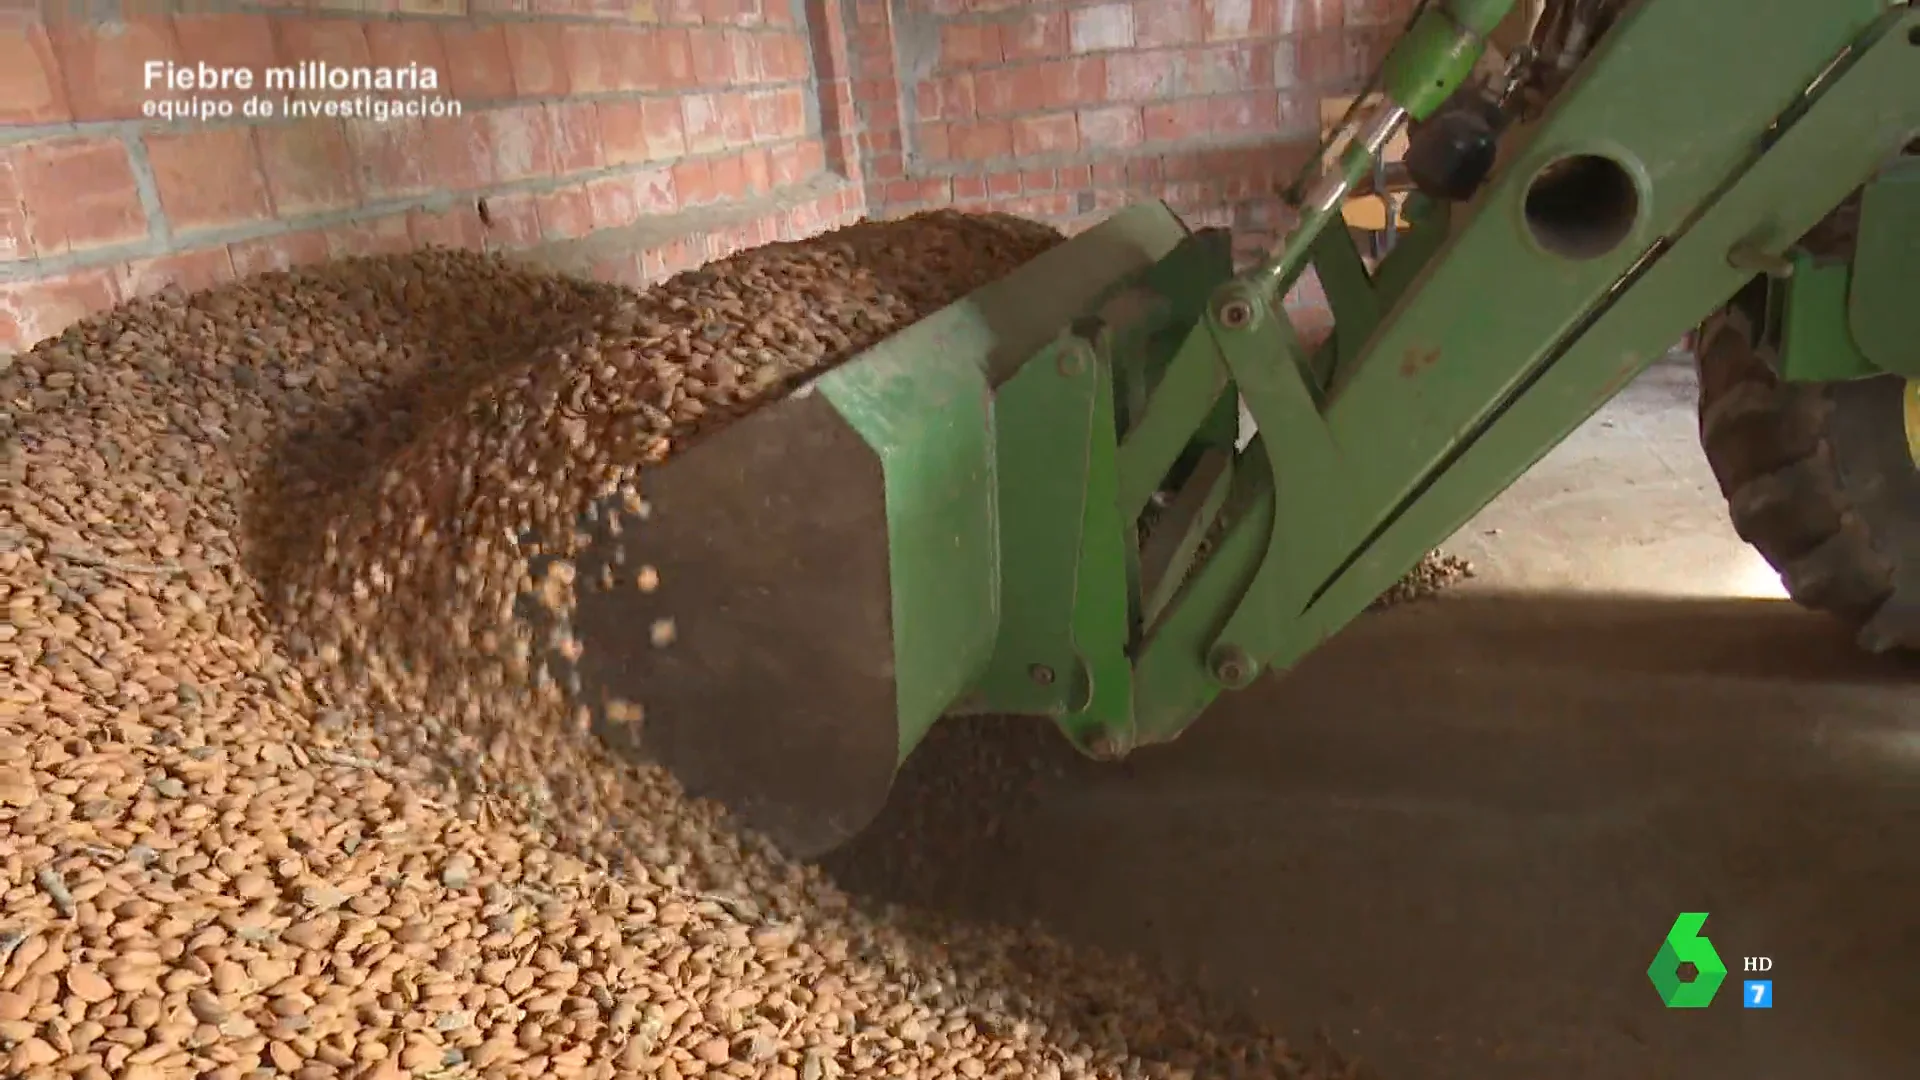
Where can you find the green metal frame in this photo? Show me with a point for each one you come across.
(1072, 531)
(1881, 311)
(1470, 353)
(1854, 317)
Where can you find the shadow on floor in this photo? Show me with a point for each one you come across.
(1456, 835)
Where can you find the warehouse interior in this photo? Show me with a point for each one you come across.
(232, 328)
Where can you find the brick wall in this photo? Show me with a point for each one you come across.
(692, 127)
(629, 139)
(1065, 111)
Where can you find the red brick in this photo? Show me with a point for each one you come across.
(1037, 180)
(1003, 183)
(188, 271)
(283, 252)
(1317, 15)
(512, 220)
(693, 180)
(675, 51)
(1243, 114)
(1170, 22)
(78, 194)
(621, 200)
(575, 134)
(883, 115)
(565, 214)
(30, 89)
(997, 92)
(1233, 20)
(379, 236)
(1225, 69)
(307, 165)
(632, 58)
(700, 118)
(948, 98)
(881, 142)
(460, 153)
(758, 166)
(479, 68)
(712, 57)
(696, 183)
(747, 65)
(1100, 28)
(665, 128)
(537, 58)
(813, 156)
(16, 235)
(929, 192)
(794, 59)
(931, 142)
(869, 94)
(1035, 87)
(340, 42)
(763, 115)
(729, 177)
(873, 45)
(1074, 177)
(103, 65)
(1373, 12)
(623, 132)
(389, 160)
(583, 52)
(1176, 120)
(522, 142)
(788, 166)
(1035, 36)
(969, 187)
(230, 41)
(1144, 171)
(395, 44)
(1111, 128)
(458, 228)
(981, 140)
(892, 165)
(32, 311)
(684, 11)
(612, 203)
(1332, 58)
(970, 45)
(1299, 112)
(736, 117)
(1108, 173)
(739, 12)
(1053, 133)
(1142, 76)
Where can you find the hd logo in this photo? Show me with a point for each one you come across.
(1686, 945)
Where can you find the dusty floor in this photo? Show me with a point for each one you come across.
(1456, 836)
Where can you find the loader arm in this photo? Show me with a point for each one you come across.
(1034, 502)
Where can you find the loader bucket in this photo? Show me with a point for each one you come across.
(830, 563)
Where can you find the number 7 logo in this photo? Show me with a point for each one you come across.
(1686, 945)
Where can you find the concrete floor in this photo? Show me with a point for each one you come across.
(1454, 838)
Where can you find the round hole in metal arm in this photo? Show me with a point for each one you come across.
(1582, 206)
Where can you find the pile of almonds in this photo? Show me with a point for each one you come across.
(278, 797)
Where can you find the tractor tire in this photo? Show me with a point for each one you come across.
(1818, 477)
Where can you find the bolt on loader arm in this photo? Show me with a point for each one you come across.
(1035, 501)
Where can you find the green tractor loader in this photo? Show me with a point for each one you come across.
(1039, 500)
